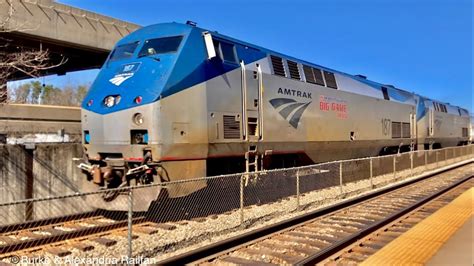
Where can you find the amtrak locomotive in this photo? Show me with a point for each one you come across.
(175, 101)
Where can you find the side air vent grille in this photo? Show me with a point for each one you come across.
(318, 76)
(294, 71)
(406, 130)
(308, 73)
(313, 75)
(277, 64)
(330, 80)
(231, 127)
(396, 130)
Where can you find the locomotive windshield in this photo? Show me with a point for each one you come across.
(124, 51)
(160, 46)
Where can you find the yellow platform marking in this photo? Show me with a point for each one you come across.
(420, 243)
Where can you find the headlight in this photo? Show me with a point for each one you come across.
(109, 101)
(112, 100)
(138, 119)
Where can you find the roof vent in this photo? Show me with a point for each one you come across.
(191, 23)
(277, 63)
(361, 76)
(294, 71)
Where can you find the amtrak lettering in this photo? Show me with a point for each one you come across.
(296, 93)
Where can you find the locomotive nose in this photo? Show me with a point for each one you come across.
(123, 134)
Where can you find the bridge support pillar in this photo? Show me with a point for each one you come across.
(29, 189)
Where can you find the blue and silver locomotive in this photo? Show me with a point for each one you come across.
(175, 101)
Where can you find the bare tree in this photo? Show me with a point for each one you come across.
(18, 60)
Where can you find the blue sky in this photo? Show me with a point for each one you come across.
(423, 46)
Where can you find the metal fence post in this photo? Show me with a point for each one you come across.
(340, 176)
(241, 199)
(371, 173)
(411, 163)
(394, 166)
(297, 189)
(446, 156)
(130, 217)
(426, 158)
(30, 181)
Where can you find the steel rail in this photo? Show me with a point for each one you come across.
(48, 221)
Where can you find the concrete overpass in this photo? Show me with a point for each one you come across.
(84, 38)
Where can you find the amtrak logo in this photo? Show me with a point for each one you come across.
(120, 78)
(290, 106)
(125, 72)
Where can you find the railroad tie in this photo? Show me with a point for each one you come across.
(199, 220)
(82, 246)
(314, 244)
(60, 252)
(5, 240)
(124, 233)
(366, 250)
(358, 257)
(286, 258)
(305, 250)
(52, 231)
(149, 230)
(105, 241)
(320, 242)
(327, 238)
(373, 244)
(398, 229)
(168, 227)
(241, 261)
(29, 235)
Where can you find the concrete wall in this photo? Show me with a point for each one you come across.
(23, 121)
(52, 173)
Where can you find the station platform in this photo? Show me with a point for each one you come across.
(444, 238)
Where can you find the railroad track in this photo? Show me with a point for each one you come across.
(363, 248)
(62, 236)
(333, 235)
(40, 237)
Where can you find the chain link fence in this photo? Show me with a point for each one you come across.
(230, 205)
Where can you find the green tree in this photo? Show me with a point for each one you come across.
(37, 93)
(22, 93)
(51, 95)
(81, 94)
(36, 89)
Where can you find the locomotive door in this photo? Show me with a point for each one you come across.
(252, 92)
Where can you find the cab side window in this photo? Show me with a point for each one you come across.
(225, 51)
